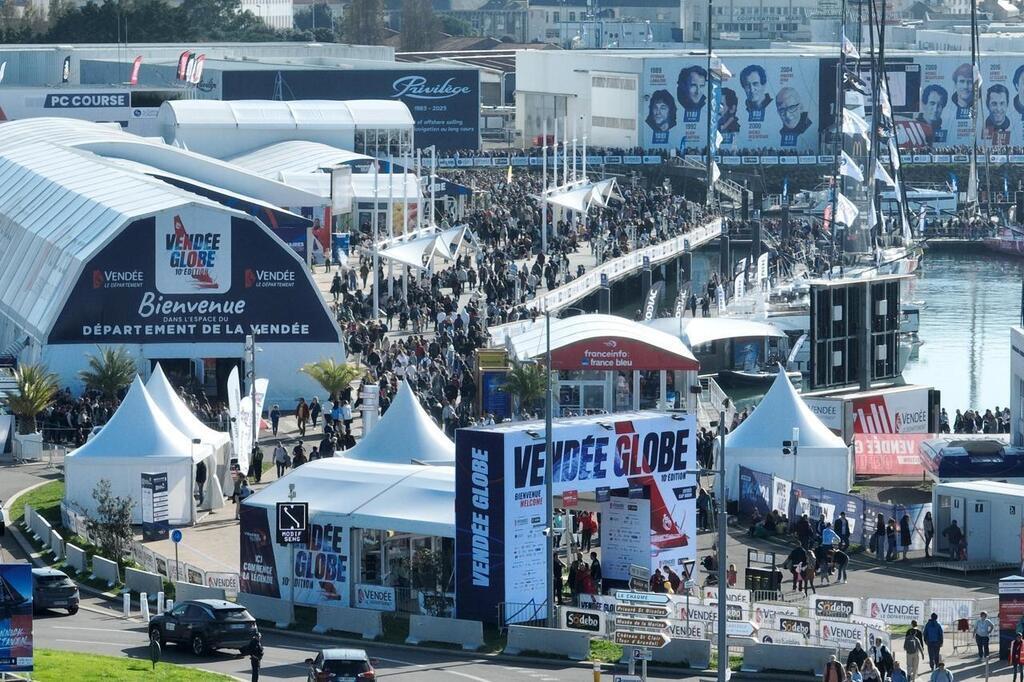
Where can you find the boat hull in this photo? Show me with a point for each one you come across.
(1012, 247)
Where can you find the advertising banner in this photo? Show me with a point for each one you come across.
(805, 627)
(500, 510)
(781, 489)
(15, 618)
(768, 103)
(681, 630)
(770, 636)
(834, 607)
(732, 596)
(951, 610)
(896, 611)
(625, 536)
(375, 597)
(190, 276)
(755, 492)
(766, 615)
(902, 411)
(587, 620)
(889, 454)
(258, 566)
(445, 103)
(841, 633)
(228, 582)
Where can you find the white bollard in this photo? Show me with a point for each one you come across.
(159, 602)
(144, 605)
(127, 598)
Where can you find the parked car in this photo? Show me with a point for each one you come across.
(341, 665)
(53, 589)
(204, 625)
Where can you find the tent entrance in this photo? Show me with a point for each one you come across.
(206, 375)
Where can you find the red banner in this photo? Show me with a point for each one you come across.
(614, 353)
(134, 79)
(889, 454)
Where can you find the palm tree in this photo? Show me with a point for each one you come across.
(37, 389)
(333, 376)
(110, 372)
(526, 383)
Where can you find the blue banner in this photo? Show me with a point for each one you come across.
(16, 618)
(613, 159)
(755, 492)
(493, 399)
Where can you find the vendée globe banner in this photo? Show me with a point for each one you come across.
(501, 511)
(193, 275)
(15, 618)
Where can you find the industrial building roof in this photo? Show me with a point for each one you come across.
(295, 156)
(61, 207)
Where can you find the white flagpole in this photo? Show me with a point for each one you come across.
(419, 183)
(405, 219)
(391, 221)
(574, 151)
(584, 158)
(433, 182)
(376, 256)
(565, 152)
(544, 188)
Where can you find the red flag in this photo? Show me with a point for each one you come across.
(826, 218)
(190, 68)
(197, 74)
(136, 65)
(913, 133)
(183, 64)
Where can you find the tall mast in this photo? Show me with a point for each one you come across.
(837, 145)
(709, 88)
(875, 120)
(972, 183)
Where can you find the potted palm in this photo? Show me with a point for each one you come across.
(527, 384)
(110, 372)
(36, 390)
(333, 376)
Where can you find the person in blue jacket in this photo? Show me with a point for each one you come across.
(933, 640)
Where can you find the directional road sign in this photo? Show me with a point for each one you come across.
(650, 640)
(641, 624)
(643, 654)
(641, 597)
(739, 628)
(638, 583)
(655, 611)
(292, 522)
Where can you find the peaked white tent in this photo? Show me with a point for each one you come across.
(822, 458)
(182, 418)
(405, 435)
(138, 439)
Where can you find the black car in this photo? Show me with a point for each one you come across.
(204, 625)
(52, 589)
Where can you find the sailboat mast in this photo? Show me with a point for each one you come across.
(875, 120)
(837, 146)
(972, 182)
(708, 89)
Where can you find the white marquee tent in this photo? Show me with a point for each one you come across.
(138, 439)
(405, 435)
(406, 498)
(182, 418)
(822, 457)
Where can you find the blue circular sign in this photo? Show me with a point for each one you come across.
(175, 536)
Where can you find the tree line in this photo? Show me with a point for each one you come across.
(197, 21)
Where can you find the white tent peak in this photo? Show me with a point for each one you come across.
(780, 410)
(138, 429)
(177, 412)
(404, 435)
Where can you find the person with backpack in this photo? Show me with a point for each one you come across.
(933, 636)
(913, 645)
(940, 674)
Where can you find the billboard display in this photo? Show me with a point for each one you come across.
(194, 275)
(770, 102)
(15, 618)
(445, 103)
(501, 511)
(785, 104)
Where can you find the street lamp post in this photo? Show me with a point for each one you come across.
(548, 474)
(723, 519)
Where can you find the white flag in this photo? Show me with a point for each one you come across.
(715, 173)
(846, 212)
(849, 49)
(977, 77)
(719, 68)
(872, 216)
(972, 183)
(881, 175)
(718, 139)
(854, 124)
(849, 168)
(894, 155)
(883, 92)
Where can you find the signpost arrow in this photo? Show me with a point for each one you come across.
(739, 628)
(641, 597)
(650, 640)
(640, 610)
(641, 624)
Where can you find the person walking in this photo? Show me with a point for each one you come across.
(257, 463)
(559, 571)
(913, 646)
(301, 416)
(933, 636)
(298, 455)
(315, 408)
(595, 571)
(905, 535)
(280, 459)
(834, 671)
(1017, 656)
(275, 418)
(587, 524)
(929, 533)
(983, 628)
(254, 650)
(955, 535)
(200, 483)
(890, 540)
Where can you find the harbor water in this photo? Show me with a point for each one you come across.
(971, 299)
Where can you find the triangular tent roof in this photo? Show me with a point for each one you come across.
(405, 434)
(772, 422)
(178, 413)
(138, 429)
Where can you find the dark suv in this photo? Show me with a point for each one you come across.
(52, 589)
(204, 625)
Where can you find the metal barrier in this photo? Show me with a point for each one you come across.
(533, 613)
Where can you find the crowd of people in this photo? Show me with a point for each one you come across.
(995, 420)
